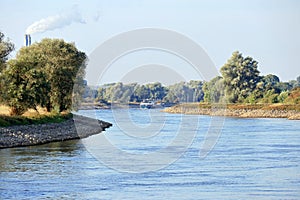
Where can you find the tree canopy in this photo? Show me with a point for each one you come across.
(43, 74)
(123, 93)
(241, 83)
(6, 47)
(240, 77)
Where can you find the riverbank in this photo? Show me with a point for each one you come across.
(74, 128)
(239, 110)
(98, 106)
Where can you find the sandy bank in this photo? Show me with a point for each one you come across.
(236, 112)
(26, 135)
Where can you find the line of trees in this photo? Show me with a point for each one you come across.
(42, 74)
(240, 82)
(124, 93)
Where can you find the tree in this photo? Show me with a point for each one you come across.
(176, 93)
(282, 86)
(295, 83)
(282, 96)
(6, 47)
(127, 93)
(157, 91)
(270, 81)
(240, 77)
(64, 65)
(141, 92)
(101, 94)
(114, 93)
(294, 96)
(44, 74)
(214, 90)
(16, 94)
(25, 85)
(196, 87)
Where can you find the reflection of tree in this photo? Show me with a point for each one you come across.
(29, 158)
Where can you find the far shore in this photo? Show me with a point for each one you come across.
(100, 106)
(35, 134)
(277, 110)
(291, 112)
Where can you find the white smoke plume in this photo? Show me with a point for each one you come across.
(56, 21)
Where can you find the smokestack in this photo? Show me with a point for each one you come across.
(27, 40)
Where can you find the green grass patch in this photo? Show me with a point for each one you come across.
(35, 119)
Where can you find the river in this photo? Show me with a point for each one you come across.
(251, 159)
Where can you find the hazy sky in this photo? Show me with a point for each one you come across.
(269, 31)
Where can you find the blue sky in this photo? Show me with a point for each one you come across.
(266, 30)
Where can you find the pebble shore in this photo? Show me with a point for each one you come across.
(74, 128)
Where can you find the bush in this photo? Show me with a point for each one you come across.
(282, 97)
(294, 96)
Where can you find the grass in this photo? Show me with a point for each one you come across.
(31, 117)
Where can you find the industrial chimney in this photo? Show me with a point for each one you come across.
(27, 40)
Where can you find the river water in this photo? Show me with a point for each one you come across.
(252, 159)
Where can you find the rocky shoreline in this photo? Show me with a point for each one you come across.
(229, 112)
(27, 135)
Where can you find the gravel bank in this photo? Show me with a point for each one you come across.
(75, 128)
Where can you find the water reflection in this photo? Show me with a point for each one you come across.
(37, 158)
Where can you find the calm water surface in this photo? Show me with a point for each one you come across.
(253, 159)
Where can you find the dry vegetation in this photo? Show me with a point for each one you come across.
(4, 110)
(275, 106)
(39, 116)
(278, 110)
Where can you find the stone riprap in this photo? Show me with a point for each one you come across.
(74, 128)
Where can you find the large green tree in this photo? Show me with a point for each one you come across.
(25, 86)
(64, 65)
(240, 77)
(44, 74)
(6, 47)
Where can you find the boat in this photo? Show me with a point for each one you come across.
(146, 104)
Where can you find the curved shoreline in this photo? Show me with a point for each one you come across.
(236, 112)
(27, 135)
